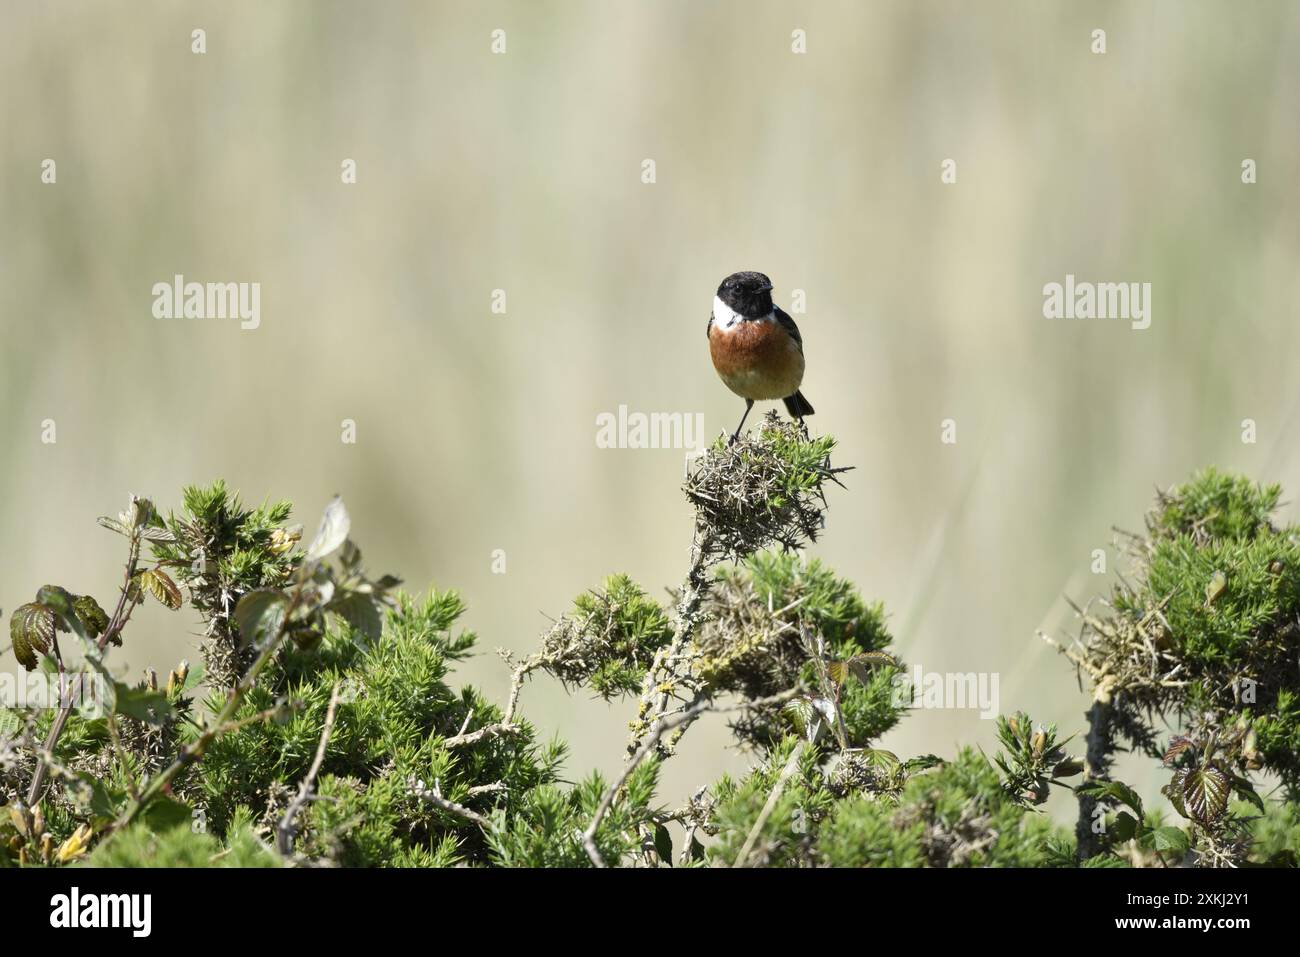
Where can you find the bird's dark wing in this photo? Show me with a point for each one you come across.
(708, 330)
(788, 325)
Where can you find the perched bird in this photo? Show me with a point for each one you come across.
(755, 345)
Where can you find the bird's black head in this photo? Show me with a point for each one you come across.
(748, 293)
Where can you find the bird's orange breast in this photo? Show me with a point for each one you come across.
(756, 358)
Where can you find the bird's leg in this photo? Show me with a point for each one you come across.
(749, 404)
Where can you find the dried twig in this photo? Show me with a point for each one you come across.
(657, 731)
(665, 672)
(284, 834)
(431, 796)
(777, 790)
(507, 723)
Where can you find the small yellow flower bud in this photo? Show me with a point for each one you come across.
(1038, 742)
(284, 539)
(176, 679)
(22, 819)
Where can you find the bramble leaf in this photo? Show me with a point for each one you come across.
(1177, 746)
(1124, 827)
(333, 532)
(63, 604)
(859, 666)
(260, 614)
(92, 616)
(165, 813)
(151, 707)
(1171, 839)
(1245, 790)
(159, 584)
(1116, 790)
(113, 525)
(31, 629)
(360, 612)
(1205, 793)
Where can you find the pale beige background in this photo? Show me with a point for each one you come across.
(521, 172)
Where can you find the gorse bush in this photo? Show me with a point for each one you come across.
(221, 551)
(1204, 633)
(325, 726)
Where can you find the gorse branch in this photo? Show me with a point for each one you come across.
(331, 734)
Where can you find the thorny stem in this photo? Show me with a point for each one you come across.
(121, 615)
(431, 796)
(284, 833)
(464, 739)
(507, 723)
(657, 731)
(1100, 744)
(1097, 767)
(120, 754)
(666, 668)
(756, 831)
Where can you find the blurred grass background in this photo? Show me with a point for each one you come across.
(522, 172)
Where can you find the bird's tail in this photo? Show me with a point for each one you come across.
(798, 406)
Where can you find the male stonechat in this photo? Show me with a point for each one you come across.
(756, 346)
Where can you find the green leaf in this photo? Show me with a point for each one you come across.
(165, 813)
(31, 629)
(1116, 790)
(806, 713)
(92, 616)
(89, 794)
(1124, 826)
(880, 759)
(1244, 789)
(64, 606)
(333, 531)
(151, 707)
(922, 763)
(1171, 839)
(1173, 790)
(360, 612)
(859, 666)
(260, 615)
(1068, 768)
(664, 844)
